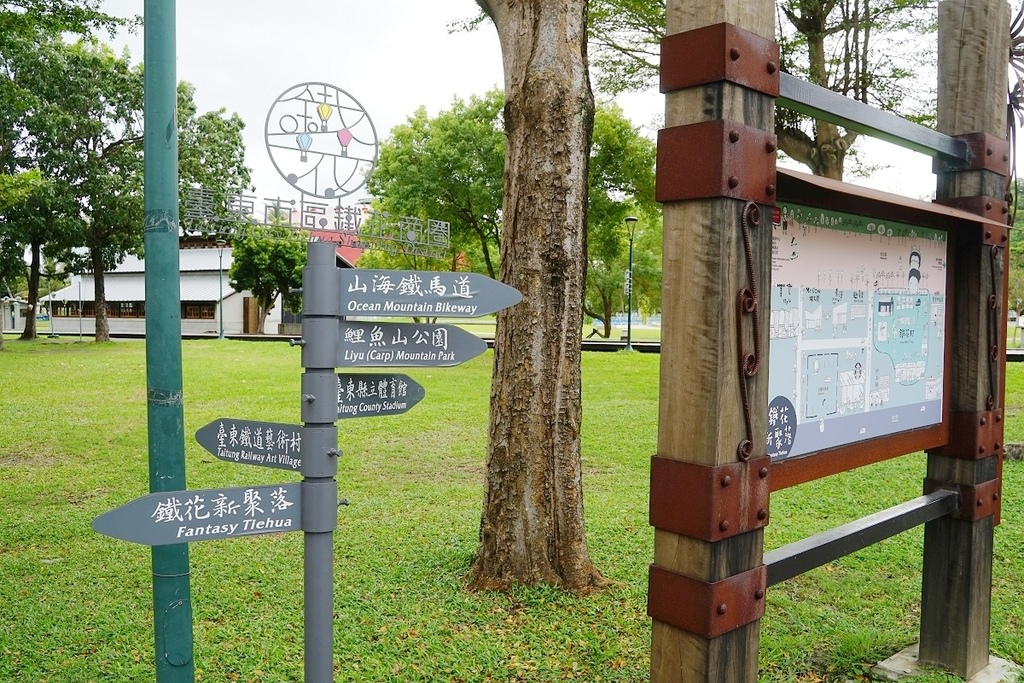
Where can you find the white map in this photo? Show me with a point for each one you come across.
(858, 312)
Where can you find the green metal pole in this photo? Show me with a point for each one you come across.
(172, 603)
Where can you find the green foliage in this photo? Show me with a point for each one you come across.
(1016, 255)
(211, 157)
(81, 607)
(16, 188)
(869, 51)
(625, 39)
(449, 168)
(72, 112)
(621, 184)
(269, 262)
(24, 17)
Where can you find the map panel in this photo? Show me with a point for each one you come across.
(858, 314)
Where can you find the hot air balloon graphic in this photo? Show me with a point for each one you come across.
(324, 111)
(344, 137)
(305, 140)
(308, 118)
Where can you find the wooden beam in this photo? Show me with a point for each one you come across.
(957, 576)
(708, 405)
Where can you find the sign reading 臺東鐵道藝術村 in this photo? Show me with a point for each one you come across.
(268, 444)
(204, 515)
(423, 293)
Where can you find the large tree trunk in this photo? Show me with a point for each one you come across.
(100, 301)
(34, 266)
(532, 523)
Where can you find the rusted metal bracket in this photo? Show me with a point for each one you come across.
(717, 158)
(997, 210)
(702, 608)
(984, 152)
(976, 502)
(973, 436)
(721, 52)
(709, 503)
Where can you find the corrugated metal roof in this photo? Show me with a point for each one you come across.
(199, 271)
(203, 287)
(189, 260)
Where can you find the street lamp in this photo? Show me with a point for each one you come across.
(631, 231)
(220, 285)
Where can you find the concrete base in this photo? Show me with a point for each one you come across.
(905, 664)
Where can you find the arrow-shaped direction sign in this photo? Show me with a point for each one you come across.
(204, 515)
(371, 395)
(429, 294)
(405, 344)
(270, 444)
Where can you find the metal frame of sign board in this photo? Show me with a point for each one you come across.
(821, 193)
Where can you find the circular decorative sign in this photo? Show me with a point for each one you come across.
(321, 140)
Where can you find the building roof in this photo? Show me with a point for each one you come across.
(200, 271)
(119, 287)
(189, 260)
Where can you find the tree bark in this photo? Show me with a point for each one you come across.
(100, 300)
(531, 527)
(34, 266)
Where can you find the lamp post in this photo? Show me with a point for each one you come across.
(220, 285)
(631, 231)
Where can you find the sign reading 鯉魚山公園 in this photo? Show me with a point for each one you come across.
(858, 322)
(428, 294)
(204, 515)
(374, 395)
(268, 444)
(367, 344)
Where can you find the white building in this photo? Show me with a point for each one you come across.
(206, 296)
(12, 314)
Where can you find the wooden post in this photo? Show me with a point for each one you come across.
(709, 480)
(957, 580)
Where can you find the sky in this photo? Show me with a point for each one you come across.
(391, 56)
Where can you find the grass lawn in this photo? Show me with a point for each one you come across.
(77, 605)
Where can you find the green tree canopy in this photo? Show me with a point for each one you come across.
(268, 262)
(449, 168)
(79, 124)
(864, 49)
(621, 185)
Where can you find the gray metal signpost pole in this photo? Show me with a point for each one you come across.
(321, 308)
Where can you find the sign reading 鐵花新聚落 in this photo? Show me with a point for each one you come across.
(204, 515)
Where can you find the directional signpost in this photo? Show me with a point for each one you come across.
(269, 444)
(330, 340)
(423, 293)
(405, 344)
(204, 515)
(373, 395)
